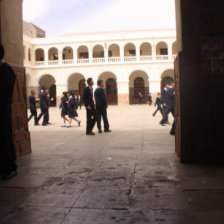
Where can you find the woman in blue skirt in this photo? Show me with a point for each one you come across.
(72, 113)
(64, 108)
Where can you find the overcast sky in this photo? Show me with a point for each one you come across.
(58, 17)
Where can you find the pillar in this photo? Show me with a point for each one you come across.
(123, 92)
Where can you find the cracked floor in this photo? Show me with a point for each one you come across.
(129, 176)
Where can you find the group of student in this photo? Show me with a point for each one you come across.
(69, 105)
(166, 105)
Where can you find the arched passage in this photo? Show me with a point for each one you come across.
(145, 49)
(110, 81)
(39, 55)
(49, 82)
(98, 51)
(67, 53)
(114, 50)
(174, 48)
(76, 83)
(129, 50)
(83, 52)
(167, 77)
(162, 51)
(138, 82)
(53, 54)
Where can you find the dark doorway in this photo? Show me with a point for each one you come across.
(82, 85)
(52, 92)
(139, 86)
(111, 91)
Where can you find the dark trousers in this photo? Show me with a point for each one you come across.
(91, 119)
(102, 112)
(44, 112)
(139, 100)
(7, 151)
(168, 109)
(164, 111)
(159, 108)
(33, 114)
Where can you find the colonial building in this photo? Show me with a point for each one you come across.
(128, 62)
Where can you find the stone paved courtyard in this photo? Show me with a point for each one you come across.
(129, 176)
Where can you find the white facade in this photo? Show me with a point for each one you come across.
(128, 62)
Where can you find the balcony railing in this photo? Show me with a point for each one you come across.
(53, 62)
(111, 60)
(162, 57)
(130, 59)
(98, 60)
(146, 58)
(114, 59)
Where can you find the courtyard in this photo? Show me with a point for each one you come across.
(129, 176)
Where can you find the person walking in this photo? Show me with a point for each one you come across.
(170, 103)
(44, 106)
(72, 113)
(33, 108)
(164, 101)
(139, 98)
(90, 107)
(158, 104)
(8, 167)
(64, 108)
(150, 99)
(101, 107)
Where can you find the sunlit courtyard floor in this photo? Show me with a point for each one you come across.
(129, 176)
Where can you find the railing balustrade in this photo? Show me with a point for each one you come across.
(130, 59)
(83, 61)
(162, 57)
(39, 63)
(53, 62)
(98, 60)
(145, 58)
(68, 62)
(114, 59)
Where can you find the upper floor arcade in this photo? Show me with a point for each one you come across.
(129, 49)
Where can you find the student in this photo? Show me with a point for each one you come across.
(8, 165)
(169, 104)
(164, 100)
(101, 107)
(139, 98)
(158, 104)
(44, 106)
(64, 108)
(80, 102)
(90, 108)
(72, 113)
(33, 108)
(150, 99)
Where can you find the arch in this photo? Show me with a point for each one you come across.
(98, 51)
(53, 54)
(138, 82)
(162, 48)
(174, 48)
(67, 53)
(110, 82)
(130, 50)
(29, 54)
(83, 52)
(49, 82)
(114, 50)
(145, 49)
(166, 77)
(76, 83)
(39, 54)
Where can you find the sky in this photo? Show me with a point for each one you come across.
(59, 17)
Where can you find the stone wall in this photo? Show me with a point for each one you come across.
(21, 133)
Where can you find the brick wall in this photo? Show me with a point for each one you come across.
(21, 133)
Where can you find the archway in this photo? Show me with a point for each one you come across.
(76, 83)
(114, 50)
(129, 50)
(49, 82)
(110, 87)
(83, 52)
(162, 51)
(167, 77)
(67, 53)
(145, 49)
(98, 51)
(39, 54)
(138, 82)
(53, 54)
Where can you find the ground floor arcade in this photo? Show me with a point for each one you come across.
(122, 83)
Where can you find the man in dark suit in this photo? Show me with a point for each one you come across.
(164, 97)
(8, 165)
(44, 105)
(33, 108)
(101, 107)
(90, 107)
(169, 104)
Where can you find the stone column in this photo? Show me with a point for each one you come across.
(123, 92)
(46, 57)
(60, 56)
(106, 53)
(154, 52)
(154, 86)
(138, 53)
(170, 52)
(122, 53)
(90, 54)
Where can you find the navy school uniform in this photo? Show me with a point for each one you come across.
(64, 106)
(72, 108)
